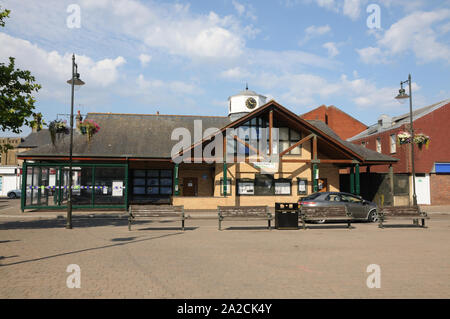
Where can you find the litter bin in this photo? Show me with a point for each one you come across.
(286, 215)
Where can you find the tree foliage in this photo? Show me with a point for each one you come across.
(16, 94)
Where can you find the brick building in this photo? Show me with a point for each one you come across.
(432, 162)
(260, 153)
(344, 125)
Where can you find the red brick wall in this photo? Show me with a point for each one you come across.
(340, 122)
(435, 125)
(440, 189)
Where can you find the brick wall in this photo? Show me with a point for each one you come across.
(440, 189)
(340, 122)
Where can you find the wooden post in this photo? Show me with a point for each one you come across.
(315, 147)
(270, 131)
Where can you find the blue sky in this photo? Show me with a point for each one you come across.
(180, 57)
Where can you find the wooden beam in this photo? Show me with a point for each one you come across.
(337, 161)
(303, 140)
(270, 131)
(322, 161)
(296, 160)
(314, 147)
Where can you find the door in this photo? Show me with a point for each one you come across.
(190, 186)
(355, 205)
(423, 189)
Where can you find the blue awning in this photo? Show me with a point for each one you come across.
(442, 167)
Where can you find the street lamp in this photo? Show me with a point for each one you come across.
(74, 81)
(401, 97)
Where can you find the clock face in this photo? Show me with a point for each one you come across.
(250, 103)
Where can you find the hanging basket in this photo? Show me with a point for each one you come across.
(57, 127)
(403, 138)
(88, 128)
(422, 139)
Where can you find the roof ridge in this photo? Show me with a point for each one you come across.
(137, 114)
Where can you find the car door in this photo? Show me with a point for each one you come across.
(355, 205)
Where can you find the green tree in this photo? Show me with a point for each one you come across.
(16, 99)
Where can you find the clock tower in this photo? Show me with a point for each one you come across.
(243, 103)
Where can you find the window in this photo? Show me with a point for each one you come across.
(1, 183)
(152, 182)
(228, 186)
(287, 138)
(282, 187)
(393, 141)
(245, 187)
(302, 186)
(379, 145)
(333, 198)
(350, 199)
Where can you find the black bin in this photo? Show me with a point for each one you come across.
(286, 215)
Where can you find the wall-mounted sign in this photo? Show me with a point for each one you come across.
(117, 188)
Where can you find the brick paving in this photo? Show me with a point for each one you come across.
(157, 260)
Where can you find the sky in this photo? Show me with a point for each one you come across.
(180, 57)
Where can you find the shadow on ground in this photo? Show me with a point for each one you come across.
(120, 243)
(82, 222)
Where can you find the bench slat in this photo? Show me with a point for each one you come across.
(175, 213)
(244, 213)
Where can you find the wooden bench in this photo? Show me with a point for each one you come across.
(402, 212)
(244, 213)
(330, 213)
(158, 212)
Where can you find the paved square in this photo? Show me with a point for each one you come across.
(157, 260)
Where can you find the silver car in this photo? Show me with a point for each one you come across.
(360, 208)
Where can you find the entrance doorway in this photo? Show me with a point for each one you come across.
(190, 185)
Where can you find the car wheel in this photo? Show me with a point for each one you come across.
(373, 216)
(12, 195)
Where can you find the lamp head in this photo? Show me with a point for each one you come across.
(402, 96)
(77, 80)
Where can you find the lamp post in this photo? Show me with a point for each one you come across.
(401, 97)
(75, 80)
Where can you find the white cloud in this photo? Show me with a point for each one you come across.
(236, 73)
(53, 66)
(414, 33)
(242, 10)
(145, 59)
(372, 55)
(314, 32)
(173, 28)
(352, 8)
(332, 49)
(146, 86)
